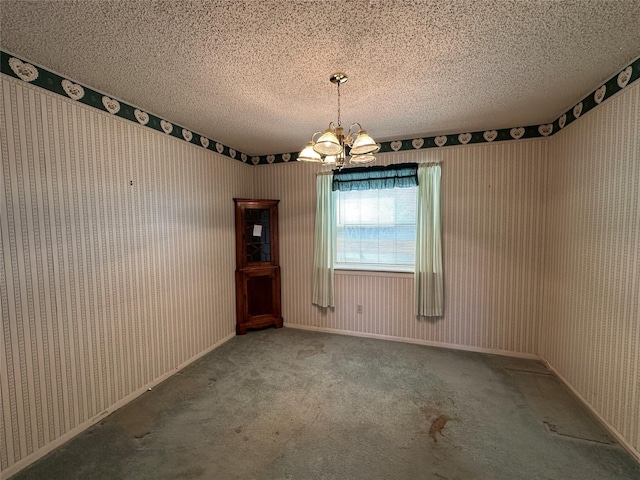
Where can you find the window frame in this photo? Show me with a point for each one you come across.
(374, 267)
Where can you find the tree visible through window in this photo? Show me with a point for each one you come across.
(376, 229)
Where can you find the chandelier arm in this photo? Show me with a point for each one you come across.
(349, 139)
(312, 136)
(353, 125)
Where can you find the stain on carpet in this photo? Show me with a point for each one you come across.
(533, 372)
(182, 383)
(192, 472)
(315, 349)
(554, 429)
(554, 405)
(136, 422)
(436, 420)
(437, 425)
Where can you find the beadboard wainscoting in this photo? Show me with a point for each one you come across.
(117, 263)
(493, 232)
(591, 319)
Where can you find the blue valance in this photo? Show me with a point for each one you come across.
(402, 175)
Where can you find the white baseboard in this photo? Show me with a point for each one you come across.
(607, 426)
(452, 346)
(26, 461)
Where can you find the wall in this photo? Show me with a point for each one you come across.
(493, 232)
(106, 287)
(591, 323)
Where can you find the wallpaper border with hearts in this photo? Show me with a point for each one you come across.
(19, 68)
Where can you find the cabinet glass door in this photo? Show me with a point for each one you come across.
(258, 235)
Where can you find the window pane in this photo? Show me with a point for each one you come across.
(377, 227)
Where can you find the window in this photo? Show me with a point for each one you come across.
(376, 229)
(363, 220)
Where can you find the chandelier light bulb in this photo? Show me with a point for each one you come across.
(362, 159)
(328, 143)
(308, 154)
(364, 144)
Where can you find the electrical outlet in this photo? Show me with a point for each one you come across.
(359, 309)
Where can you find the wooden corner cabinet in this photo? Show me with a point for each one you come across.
(257, 267)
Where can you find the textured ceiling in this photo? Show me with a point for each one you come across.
(254, 74)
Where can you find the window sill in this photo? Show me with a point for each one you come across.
(372, 272)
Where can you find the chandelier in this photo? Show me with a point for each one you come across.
(329, 148)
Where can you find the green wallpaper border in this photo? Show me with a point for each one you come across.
(37, 75)
(17, 67)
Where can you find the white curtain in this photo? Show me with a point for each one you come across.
(324, 243)
(429, 288)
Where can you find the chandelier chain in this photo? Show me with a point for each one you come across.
(339, 122)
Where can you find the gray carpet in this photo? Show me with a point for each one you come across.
(291, 404)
